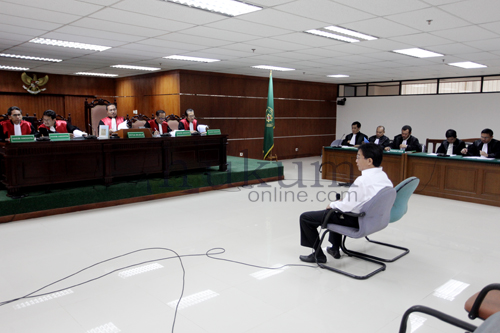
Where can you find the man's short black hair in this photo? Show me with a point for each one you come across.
(159, 111)
(451, 133)
(12, 108)
(406, 127)
(110, 105)
(188, 110)
(50, 113)
(373, 151)
(357, 123)
(383, 127)
(487, 131)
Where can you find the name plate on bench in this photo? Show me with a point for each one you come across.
(183, 133)
(59, 136)
(133, 135)
(213, 132)
(22, 138)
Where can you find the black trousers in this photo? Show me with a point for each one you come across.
(310, 221)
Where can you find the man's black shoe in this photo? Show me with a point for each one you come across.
(310, 258)
(333, 253)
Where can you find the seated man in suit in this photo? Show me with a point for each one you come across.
(405, 141)
(189, 122)
(15, 125)
(115, 123)
(158, 125)
(452, 145)
(379, 138)
(356, 138)
(51, 125)
(487, 146)
(371, 181)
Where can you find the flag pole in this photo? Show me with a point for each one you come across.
(269, 123)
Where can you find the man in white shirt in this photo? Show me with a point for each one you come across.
(371, 181)
(15, 125)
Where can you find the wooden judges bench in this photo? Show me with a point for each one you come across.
(458, 178)
(79, 160)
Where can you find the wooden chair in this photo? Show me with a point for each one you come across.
(173, 122)
(4, 117)
(33, 120)
(139, 121)
(470, 141)
(94, 112)
(435, 144)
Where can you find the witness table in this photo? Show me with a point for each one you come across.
(459, 178)
(44, 163)
(339, 164)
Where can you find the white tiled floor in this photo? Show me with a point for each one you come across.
(448, 240)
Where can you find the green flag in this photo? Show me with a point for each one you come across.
(269, 129)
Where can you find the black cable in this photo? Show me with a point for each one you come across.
(210, 254)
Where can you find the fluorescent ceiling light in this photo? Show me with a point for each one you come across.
(467, 64)
(14, 68)
(74, 45)
(273, 68)
(338, 75)
(28, 57)
(226, 7)
(418, 53)
(186, 58)
(330, 35)
(96, 74)
(350, 33)
(141, 68)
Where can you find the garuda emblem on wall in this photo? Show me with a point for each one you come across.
(32, 85)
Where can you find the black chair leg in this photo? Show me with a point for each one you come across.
(404, 249)
(438, 314)
(351, 254)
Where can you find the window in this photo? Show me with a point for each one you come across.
(421, 87)
(491, 83)
(383, 89)
(460, 85)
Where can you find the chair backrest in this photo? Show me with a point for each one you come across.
(490, 325)
(470, 141)
(94, 112)
(377, 212)
(435, 144)
(173, 122)
(33, 120)
(404, 191)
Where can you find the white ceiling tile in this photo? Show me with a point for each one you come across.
(250, 28)
(418, 20)
(32, 13)
(33, 24)
(171, 45)
(70, 6)
(466, 34)
(169, 10)
(278, 44)
(421, 39)
(282, 20)
(307, 39)
(111, 15)
(91, 34)
(381, 28)
(384, 7)
(119, 28)
(455, 48)
(190, 39)
(475, 11)
(221, 34)
(485, 45)
(324, 11)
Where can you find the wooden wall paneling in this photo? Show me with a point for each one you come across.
(32, 103)
(76, 107)
(60, 84)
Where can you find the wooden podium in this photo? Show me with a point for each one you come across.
(123, 132)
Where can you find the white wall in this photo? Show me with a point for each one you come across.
(428, 115)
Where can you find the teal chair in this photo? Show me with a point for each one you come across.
(404, 191)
